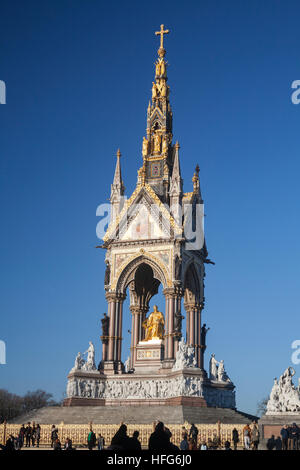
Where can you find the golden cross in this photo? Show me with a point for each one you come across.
(161, 33)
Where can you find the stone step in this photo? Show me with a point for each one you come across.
(134, 414)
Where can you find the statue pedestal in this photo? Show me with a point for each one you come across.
(148, 356)
(271, 425)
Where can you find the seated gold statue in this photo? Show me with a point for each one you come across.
(154, 325)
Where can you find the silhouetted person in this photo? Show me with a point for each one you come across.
(278, 443)
(10, 444)
(235, 438)
(120, 439)
(54, 434)
(227, 445)
(271, 443)
(194, 433)
(57, 444)
(33, 434)
(22, 435)
(28, 431)
(160, 439)
(134, 443)
(38, 435)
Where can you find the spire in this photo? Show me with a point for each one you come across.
(196, 182)
(117, 188)
(176, 180)
(157, 149)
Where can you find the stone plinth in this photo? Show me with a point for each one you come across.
(148, 356)
(185, 387)
(271, 424)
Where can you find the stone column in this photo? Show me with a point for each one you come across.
(193, 328)
(173, 306)
(115, 306)
(202, 343)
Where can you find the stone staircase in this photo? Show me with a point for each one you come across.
(134, 414)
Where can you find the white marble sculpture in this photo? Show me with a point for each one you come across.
(284, 396)
(185, 356)
(213, 368)
(90, 361)
(150, 388)
(127, 365)
(79, 362)
(217, 370)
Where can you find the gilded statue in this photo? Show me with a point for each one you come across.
(154, 91)
(165, 145)
(145, 147)
(157, 140)
(157, 69)
(164, 90)
(154, 325)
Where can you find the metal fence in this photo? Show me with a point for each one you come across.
(78, 433)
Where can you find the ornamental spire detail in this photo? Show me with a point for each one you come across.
(157, 149)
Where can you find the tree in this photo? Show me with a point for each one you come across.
(36, 400)
(12, 405)
(262, 406)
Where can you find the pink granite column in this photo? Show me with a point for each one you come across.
(118, 335)
(137, 330)
(193, 329)
(173, 307)
(111, 299)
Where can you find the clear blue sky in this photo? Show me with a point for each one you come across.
(78, 77)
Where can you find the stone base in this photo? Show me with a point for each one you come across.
(270, 425)
(187, 387)
(177, 401)
(148, 356)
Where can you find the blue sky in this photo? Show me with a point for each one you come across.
(78, 77)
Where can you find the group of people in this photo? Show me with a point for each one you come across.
(289, 438)
(29, 436)
(251, 436)
(160, 439)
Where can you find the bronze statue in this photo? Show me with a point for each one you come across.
(204, 331)
(107, 274)
(105, 325)
(154, 325)
(178, 322)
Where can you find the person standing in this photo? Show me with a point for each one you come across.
(235, 438)
(54, 434)
(184, 445)
(255, 436)
(33, 434)
(194, 433)
(22, 435)
(101, 442)
(247, 437)
(293, 437)
(28, 431)
(284, 433)
(38, 435)
(91, 440)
